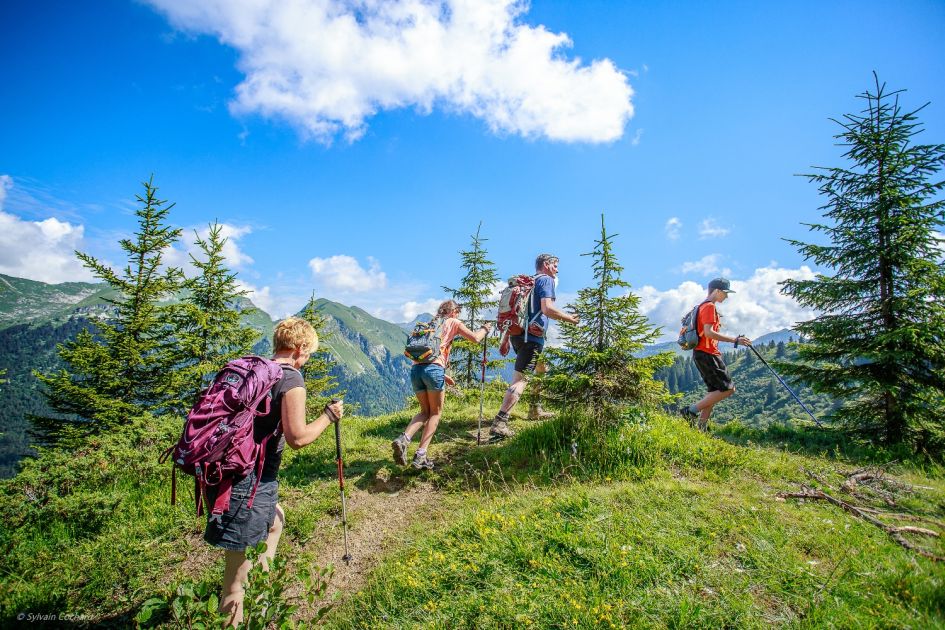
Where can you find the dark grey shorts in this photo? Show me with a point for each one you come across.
(241, 527)
(526, 353)
(713, 371)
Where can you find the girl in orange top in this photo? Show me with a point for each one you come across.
(429, 381)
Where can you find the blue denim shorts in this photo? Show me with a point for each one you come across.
(428, 377)
(241, 527)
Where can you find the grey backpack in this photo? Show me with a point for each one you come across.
(689, 333)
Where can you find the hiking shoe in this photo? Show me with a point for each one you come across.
(399, 447)
(535, 412)
(500, 429)
(689, 415)
(422, 462)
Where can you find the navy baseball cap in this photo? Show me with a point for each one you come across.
(722, 284)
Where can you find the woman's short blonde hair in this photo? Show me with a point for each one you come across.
(293, 332)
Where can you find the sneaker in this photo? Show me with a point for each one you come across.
(500, 429)
(689, 415)
(422, 462)
(535, 412)
(399, 447)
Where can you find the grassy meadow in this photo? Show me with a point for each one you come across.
(669, 528)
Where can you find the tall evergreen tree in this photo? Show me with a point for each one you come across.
(122, 369)
(878, 344)
(320, 384)
(474, 295)
(208, 326)
(597, 367)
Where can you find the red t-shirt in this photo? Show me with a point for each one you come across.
(708, 315)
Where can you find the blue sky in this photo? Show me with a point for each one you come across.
(352, 152)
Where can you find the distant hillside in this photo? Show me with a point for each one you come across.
(24, 300)
(370, 366)
(35, 317)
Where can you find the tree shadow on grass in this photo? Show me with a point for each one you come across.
(812, 441)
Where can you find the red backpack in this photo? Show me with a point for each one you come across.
(217, 444)
(513, 311)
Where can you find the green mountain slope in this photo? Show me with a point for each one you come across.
(367, 352)
(35, 317)
(23, 301)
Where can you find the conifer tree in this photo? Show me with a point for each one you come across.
(474, 295)
(320, 383)
(878, 344)
(122, 369)
(208, 324)
(596, 367)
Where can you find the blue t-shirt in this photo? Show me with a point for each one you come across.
(544, 288)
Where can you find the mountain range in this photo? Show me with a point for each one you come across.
(366, 351)
(35, 317)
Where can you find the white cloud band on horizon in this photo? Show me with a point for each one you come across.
(757, 307)
(327, 66)
(39, 250)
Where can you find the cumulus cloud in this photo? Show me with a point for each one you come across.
(710, 229)
(39, 250)
(673, 227)
(706, 265)
(411, 309)
(757, 306)
(345, 273)
(327, 66)
(263, 299)
(235, 258)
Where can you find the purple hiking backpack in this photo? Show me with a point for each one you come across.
(218, 445)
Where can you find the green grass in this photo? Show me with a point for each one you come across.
(665, 527)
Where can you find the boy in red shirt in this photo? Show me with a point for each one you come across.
(707, 357)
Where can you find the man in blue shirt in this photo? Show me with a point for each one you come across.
(528, 346)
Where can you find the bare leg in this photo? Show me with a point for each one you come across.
(435, 406)
(234, 583)
(707, 403)
(272, 541)
(514, 392)
(420, 419)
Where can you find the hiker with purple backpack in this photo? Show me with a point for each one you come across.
(253, 513)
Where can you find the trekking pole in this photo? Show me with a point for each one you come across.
(341, 480)
(482, 389)
(758, 354)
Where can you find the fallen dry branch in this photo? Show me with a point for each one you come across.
(896, 533)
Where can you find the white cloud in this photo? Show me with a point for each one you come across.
(710, 229)
(263, 299)
(39, 250)
(234, 257)
(344, 273)
(757, 306)
(411, 309)
(327, 66)
(673, 226)
(706, 265)
(637, 137)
